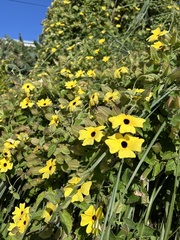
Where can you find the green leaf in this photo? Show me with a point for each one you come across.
(66, 221)
(145, 230)
(170, 166)
(51, 150)
(16, 195)
(129, 223)
(157, 169)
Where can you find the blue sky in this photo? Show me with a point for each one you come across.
(22, 17)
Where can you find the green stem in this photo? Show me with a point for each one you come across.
(110, 209)
(171, 209)
(143, 158)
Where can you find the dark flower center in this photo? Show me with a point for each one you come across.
(27, 86)
(50, 168)
(24, 223)
(93, 134)
(44, 104)
(5, 164)
(74, 103)
(22, 212)
(110, 98)
(126, 121)
(51, 212)
(94, 218)
(124, 144)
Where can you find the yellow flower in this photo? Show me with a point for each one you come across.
(140, 90)
(91, 73)
(124, 145)
(127, 123)
(48, 211)
(70, 84)
(44, 102)
(105, 59)
(82, 190)
(158, 45)
(80, 73)
(89, 57)
(23, 222)
(112, 96)
(23, 136)
(19, 226)
(5, 165)
(101, 41)
(66, 2)
(55, 120)
(96, 51)
(74, 104)
(20, 211)
(6, 153)
(91, 134)
(118, 25)
(80, 91)
(117, 73)
(91, 217)
(53, 50)
(49, 169)
(27, 87)
(60, 32)
(156, 34)
(103, 8)
(26, 103)
(11, 143)
(90, 37)
(94, 99)
(70, 47)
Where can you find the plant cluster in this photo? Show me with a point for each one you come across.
(90, 137)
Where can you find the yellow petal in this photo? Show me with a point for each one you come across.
(86, 187)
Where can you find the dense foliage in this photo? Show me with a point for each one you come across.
(90, 136)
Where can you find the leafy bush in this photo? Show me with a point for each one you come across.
(90, 138)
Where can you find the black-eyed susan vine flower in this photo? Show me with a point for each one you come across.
(92, 218)
(6, 153)
(5, 165)
(156, 34)
(70, 84)
(137, 92)
(80, 90)
(44, 102)
(127, 123)
(11, 143)
(101, 41)
(49, 169)
(94, 99)
(82, 190)
(117, 73)
(125, 145)
(21, 217)
(91, 134)
(26, 103)
(158, 45)
(112, 97)
(54, 120)
(74, 104)
(105, 59)
(48, 211)
(27, 87)
(91, 73)
(80, 73)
